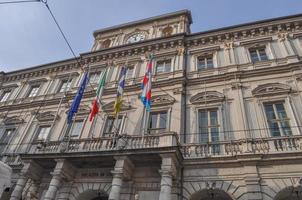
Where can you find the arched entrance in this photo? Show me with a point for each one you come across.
(289, 193)
(93, 195)
(211, 194)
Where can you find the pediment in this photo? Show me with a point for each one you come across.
(109, 107)
(271, 89)
(46, 116)
(12, 120)
(162, 100)
(207, 97)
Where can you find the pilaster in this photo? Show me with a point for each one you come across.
(122, 171)
(63, 170)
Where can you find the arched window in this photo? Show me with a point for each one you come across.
(167, 31)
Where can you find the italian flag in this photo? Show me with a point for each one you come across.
(96, 102)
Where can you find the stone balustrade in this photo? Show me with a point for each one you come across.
(270, 145)
(123, 142)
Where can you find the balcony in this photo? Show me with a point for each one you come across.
(271, 145)
(125, 142)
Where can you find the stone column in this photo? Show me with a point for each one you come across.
(165, 185)
(54, 185)
(62, 170)
(117, 182)
(29, 170)
(122, 170)
(17, 193)
(252, 181)
(167, 172)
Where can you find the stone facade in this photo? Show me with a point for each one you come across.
(225, 120)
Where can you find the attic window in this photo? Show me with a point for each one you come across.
(106, 43)
(167, 31)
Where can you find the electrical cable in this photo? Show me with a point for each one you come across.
(16, 2)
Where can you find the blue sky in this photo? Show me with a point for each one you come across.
(29, 37)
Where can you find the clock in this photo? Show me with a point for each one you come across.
(136, 38)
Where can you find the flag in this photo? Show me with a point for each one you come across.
(147, 85)
(96, 102)
(120, 90)
(77, 99)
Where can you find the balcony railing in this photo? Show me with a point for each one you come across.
(270, 145)
(125, 142)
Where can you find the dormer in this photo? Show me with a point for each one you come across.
(142, 30)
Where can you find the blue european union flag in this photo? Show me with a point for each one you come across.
(77, 99)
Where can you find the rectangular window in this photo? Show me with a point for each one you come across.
(43, 132)
(5, 138)
(278, 122)
(94, 77)
(258, 54)
(5, 95)
(163, 66)
(33, 91)
(209, 128)
(76, 128)
(157, 122)
(65, 85)
(130, 71)
(204, 63)
(112, 126)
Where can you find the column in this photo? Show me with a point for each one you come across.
(167, 172)
(17, 193)
(63, 170)
(117, 182)
(54, 185)
(30, 170)
(165, 185)
(122, 171)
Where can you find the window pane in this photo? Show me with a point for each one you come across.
(210, 63)
(65, 86)
(76, 128)
(201, 64)
(153, 120)
(280, 110)
(4, 96)
(163, 120)
(129, 73)
(43, 133)
(168, 66)
(33, 91)
(6, 136)
(213, 115)
(111, 126)
(254, 55)
(269, 111)
(286, 128)
(203, 126)
(94, 77)
(262, 54)
(214, 134)
(160, 67)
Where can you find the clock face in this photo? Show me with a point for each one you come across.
(136, 38)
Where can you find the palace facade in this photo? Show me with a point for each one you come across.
(225, 121)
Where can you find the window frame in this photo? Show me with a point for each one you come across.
(158, 130)
(121, 126)
(96, 77)
(257, 51)
(277, 120)
(133, 72)
(31, 89)
(5, 146)
(62, 81)
(205, 58)
(38, 131)
(209, 126)
(83, 120)
(2, 99)
(164, 67)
